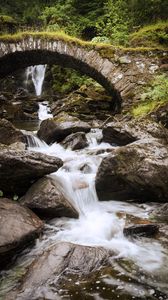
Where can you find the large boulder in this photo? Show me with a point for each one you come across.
(19, 169)
(54, 264)
(18, 226)
(57, 129)
(126, 132)
(9, 134)
(75, 141)
(88, 103)
(141, 230)
(138, 170)
(47, 197)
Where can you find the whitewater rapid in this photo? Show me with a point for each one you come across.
(99, 223)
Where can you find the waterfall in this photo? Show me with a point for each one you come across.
(33, 141)
(44, 111)
(36, 74)
(98, 223)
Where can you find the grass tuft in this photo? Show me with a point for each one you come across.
(153, 35)
(106, 50)
(153, 97)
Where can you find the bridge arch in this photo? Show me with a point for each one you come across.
(117, 74)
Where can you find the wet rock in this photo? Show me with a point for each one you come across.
(31, 106)
(123, 133)
(75, 141)
(118, 136)
(9, 134)
(21, 93)
(85, 168)
(141, 230)
(161, 213)
(3, 99)
(160, 115)
(19, 169)
(51, 268)
(18, 146)
(88, 103)
(48, 198)
(55, 130)
(18, 226)
(138, 170)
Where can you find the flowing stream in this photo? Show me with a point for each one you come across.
(139, 266)
(36, 74)
(98, 224)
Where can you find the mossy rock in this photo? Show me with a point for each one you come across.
(87, 103)
(155, 35)
(7, 24)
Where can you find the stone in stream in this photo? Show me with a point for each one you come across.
(57, 129)
(19, 169)
(161, 213)
(18, 226)
(141, 230)
(75, 141)
(138, 170)
(126, 132)
(47, 197)
(9, 134)
(53, 266)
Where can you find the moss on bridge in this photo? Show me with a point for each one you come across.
(105, 50)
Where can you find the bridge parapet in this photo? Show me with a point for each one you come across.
(122, 72)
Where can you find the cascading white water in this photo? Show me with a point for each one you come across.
(98, 224)
(33, 141)
(44, 111)
(36, 74)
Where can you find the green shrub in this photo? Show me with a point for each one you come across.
(101, 39)
(154, 96)
(66, 80)
(151, 35)
(7, 24)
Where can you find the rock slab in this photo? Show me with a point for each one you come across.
(18, 226)
(19, 169)
(47, 197)
(138, 170)
(55, 264)
(53, 130)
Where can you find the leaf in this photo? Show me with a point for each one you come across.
(15, 197)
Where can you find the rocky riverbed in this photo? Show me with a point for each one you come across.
(83, 207)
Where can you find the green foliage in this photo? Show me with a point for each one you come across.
(7, 24)
(101, 39)
(113, 19)
(66, 80)
(151, 35)
(24, 11)
(147, 11)
(115, 23)
(71, 16)
(15, 197)
(154, 96)
(158, 91)
(1, 193)
(7, 20)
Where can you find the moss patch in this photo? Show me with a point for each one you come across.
(154, 96)
(145, 108)
(105, 50)
(6, 20)
(155, 35)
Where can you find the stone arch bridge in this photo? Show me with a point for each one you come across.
(122, 72)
